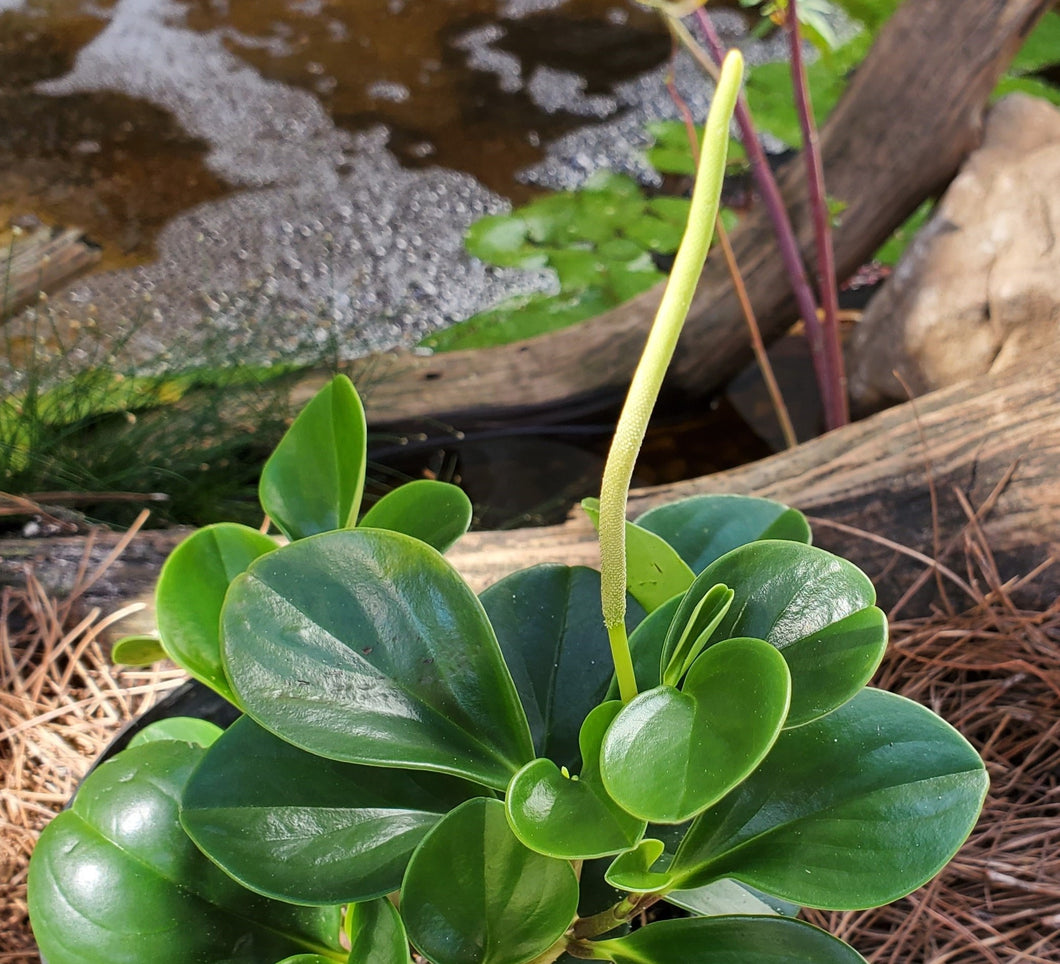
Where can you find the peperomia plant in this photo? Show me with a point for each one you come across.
(512, 777)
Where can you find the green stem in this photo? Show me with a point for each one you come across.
(648, 378)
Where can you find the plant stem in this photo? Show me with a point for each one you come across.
(757, 344)
(648, 378)
(838, 412)
(832, 395)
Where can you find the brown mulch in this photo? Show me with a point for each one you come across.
(992, 670)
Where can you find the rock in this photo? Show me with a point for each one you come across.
(979, 287)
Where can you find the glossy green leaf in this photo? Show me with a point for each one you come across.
(366, 646)
(137, 651)
(550, 628)
(705, 527)
(571, 817)
(191, 590)
(690, 639)
(655, 572)
(1041, 49)
(433, 512)
(298, 827)
(729, 940)
(502, 239)
(724, 898)
(853, 810)
(816, 608)
(115, 878)
(188, 729)
(671, 753)
(377, 934)
(314, 478)
(314, 959)
(473, 894)
(633, 871)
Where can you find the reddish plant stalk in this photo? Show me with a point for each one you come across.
(833, 397)
(822, 226)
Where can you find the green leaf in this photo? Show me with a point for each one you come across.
(655, 573)
(571, 817)
(501, 239)
(137, 651)
(646, 646)
(816, 608)
(724, 898)
(729, 940)
(851, 811)
(577, 268)
(312, 959)
(473, 894)
(313, 480)
(115, 878)
(671, 753)
(295, 826)
(191, 589)
(377, 934)
(551, 631)
(433, 512)
(366, 646)
(705, 527)
(1033, 86)
(187, 729)
(632, 871)
(1041, 49)
(689, 640)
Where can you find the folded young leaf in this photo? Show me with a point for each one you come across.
(434, 512)
(295, 826)
(705, 527)
(551, 631)
(572, 817)
(191, 590)
(314, 479)
(729, 940)
(473, 894)
(115, 878)
(814, 607)
(671, 753)
(366, 646)
(851, 811)
(634, 870)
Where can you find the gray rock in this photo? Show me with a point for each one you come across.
(979, 288)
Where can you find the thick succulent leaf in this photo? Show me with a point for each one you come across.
(188, 729)
(705, 527)
(723, 898)
(671, 753)
(551, 631)
(313, 959)
(635, 871)
(434, 512)
(366, 646)
(377, 934)
(115, 878)
(137, 651)
(654, 570)
(729, 940)
(684, 643)
(191, 590)
(314, 479)
(302, 828)
(853, 810)
(816, 608)
(572, 817)
(473, 894)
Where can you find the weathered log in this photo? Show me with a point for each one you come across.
(40, 261)
(995, 441)
(910, 115)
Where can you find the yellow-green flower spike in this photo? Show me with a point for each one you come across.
(648, 378)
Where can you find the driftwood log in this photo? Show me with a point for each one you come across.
(911, 113)
(989, 446)
(40, 261)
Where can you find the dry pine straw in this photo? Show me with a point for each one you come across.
(993, 671)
